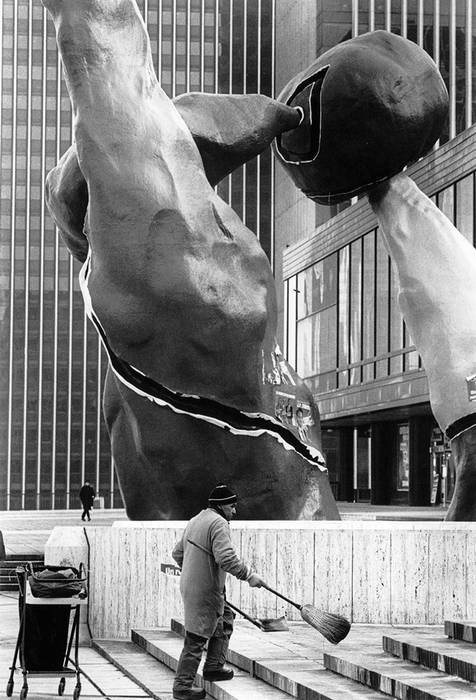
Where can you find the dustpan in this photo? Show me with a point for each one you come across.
(274, 624)
(268, 624)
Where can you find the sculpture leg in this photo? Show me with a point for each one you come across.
(436, 270)
(463, 503)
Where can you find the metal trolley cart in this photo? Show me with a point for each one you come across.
(48, 627)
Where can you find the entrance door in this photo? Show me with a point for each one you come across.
(362, 463)
(442, 469)
(403, 457)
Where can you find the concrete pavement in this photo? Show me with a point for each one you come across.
(100, 679)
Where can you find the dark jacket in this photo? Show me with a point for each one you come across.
(86, 495)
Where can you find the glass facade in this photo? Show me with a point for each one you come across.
(52, 435)
(352, 347)
(349, 330)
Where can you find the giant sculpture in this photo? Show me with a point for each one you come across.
(178, 288)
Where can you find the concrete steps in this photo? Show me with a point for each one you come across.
(8, 577)
(166, 646)
(13, 554)
(396, 677)
(155, 679)
(463, 630)
(455, 658)
(263, 669)
(372, 663)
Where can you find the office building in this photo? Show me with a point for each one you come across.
(341, 325)
(52, 434)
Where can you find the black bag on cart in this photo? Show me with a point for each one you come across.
(47, 626)
(55, 582)
(46, 637)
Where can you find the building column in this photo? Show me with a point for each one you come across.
(420, 428)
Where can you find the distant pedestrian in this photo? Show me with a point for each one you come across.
(86, 496)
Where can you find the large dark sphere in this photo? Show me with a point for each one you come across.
(371, 105)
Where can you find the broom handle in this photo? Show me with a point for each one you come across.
(271, 590)
(245, 615)
(280, 595)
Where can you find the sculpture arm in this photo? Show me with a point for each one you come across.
(230, 130)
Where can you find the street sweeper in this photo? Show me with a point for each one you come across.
(205, 554)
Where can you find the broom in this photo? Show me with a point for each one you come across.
(333, 627)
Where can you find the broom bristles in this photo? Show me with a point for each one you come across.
(333, 627)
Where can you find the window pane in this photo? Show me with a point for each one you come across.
(355, 308)
(381, 305)
(322, 383)
(446, 202)
(465, 207)
(292, 321)
(368, 319)
(285, 320)
(317, 343)
(344, 273)
(411, 359)
(396, 325)
(301, 294)
(317, 286)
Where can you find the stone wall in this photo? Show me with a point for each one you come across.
(371, 572)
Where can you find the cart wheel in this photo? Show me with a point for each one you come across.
(77, 692)
(9, 690)
(23, 692)
(61, 686)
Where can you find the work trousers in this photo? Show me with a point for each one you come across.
(193, 647)
(85, 513)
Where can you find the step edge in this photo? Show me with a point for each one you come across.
(199, 677)
(96, 644)
(252, 668)
(462, 628)
(328, 660)
(468, 673)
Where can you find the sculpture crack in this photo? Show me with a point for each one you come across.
(229, 418)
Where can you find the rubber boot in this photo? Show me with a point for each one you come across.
(187, 668)
(214, 669)
(189, 694)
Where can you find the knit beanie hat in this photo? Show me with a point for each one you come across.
(222, 496)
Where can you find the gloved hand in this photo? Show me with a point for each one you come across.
(255, 580)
